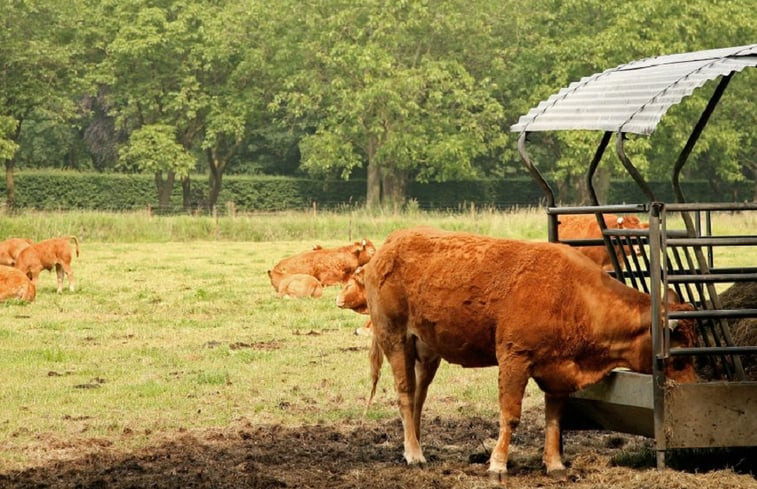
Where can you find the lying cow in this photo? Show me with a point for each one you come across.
(535, 310)
(586, 227)
(299, 285)
(44, 255)
(329, 265)
(352, 296)
(14, 284)
(10, 248)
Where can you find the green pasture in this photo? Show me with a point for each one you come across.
(174, 326)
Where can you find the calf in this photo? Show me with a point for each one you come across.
(14, 284)
(534, 310)
(586, 227)
(10, 248)
(329, 265)
(44, 255)
(352, 296)
(300, 285)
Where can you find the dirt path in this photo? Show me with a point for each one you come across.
(361, 456)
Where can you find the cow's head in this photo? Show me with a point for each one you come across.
(352, 295)
(682, 335)
(364, 250)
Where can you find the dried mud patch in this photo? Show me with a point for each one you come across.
(353, 455)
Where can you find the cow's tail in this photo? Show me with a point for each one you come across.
(376, 358)
(76, 242)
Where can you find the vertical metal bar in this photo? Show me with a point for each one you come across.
(658, 372)
(708, 230)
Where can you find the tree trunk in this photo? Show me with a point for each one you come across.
(10, 186)
(186, 196)
(214, 179)
(165, 188)
(395, 190)
(214, 188)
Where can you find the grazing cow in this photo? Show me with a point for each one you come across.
(586, 227)
(299, 285)
(535, 310)
(329, 265)
(14, 284)
(10, 248)
(44, 255)
(352, 296)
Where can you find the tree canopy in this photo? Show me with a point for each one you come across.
(389, 91)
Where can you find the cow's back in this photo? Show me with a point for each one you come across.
(460, 292)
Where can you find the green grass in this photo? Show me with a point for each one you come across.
(166, 333)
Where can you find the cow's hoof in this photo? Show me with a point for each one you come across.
(497, 477)
(558, 474)
(418, 460)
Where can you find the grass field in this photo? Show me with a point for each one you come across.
(174, 326)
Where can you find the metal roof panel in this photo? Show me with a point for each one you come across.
(633, 97)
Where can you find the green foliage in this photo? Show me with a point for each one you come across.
(153, 149)
(8, 146)
(97, 191)
(418, 91)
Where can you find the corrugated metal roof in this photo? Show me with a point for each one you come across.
(634, 96)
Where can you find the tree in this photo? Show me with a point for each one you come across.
(153, 148)
(374, 91)
(36, 69)
(150, 73)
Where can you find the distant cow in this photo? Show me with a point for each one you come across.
(44, 255)
(535, 310)
(14, 284)
(299, 285)
(586, 227)
(10, 248)
(352, 296)
(329, 265)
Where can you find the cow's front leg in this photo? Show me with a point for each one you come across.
(553, 407)
(513, 377)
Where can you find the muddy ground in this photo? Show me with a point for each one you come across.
(369, 455)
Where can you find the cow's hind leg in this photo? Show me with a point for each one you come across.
(512, 380)
(70, 274)
(59, 274)
(553, 407)
(426, 365)
(401, 358)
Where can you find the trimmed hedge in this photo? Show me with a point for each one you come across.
(50, 190)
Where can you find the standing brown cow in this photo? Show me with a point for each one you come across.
(14, 284)
(10, 248)
(329, 265)
(535, 310)
(586, 227)
(44, 255)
